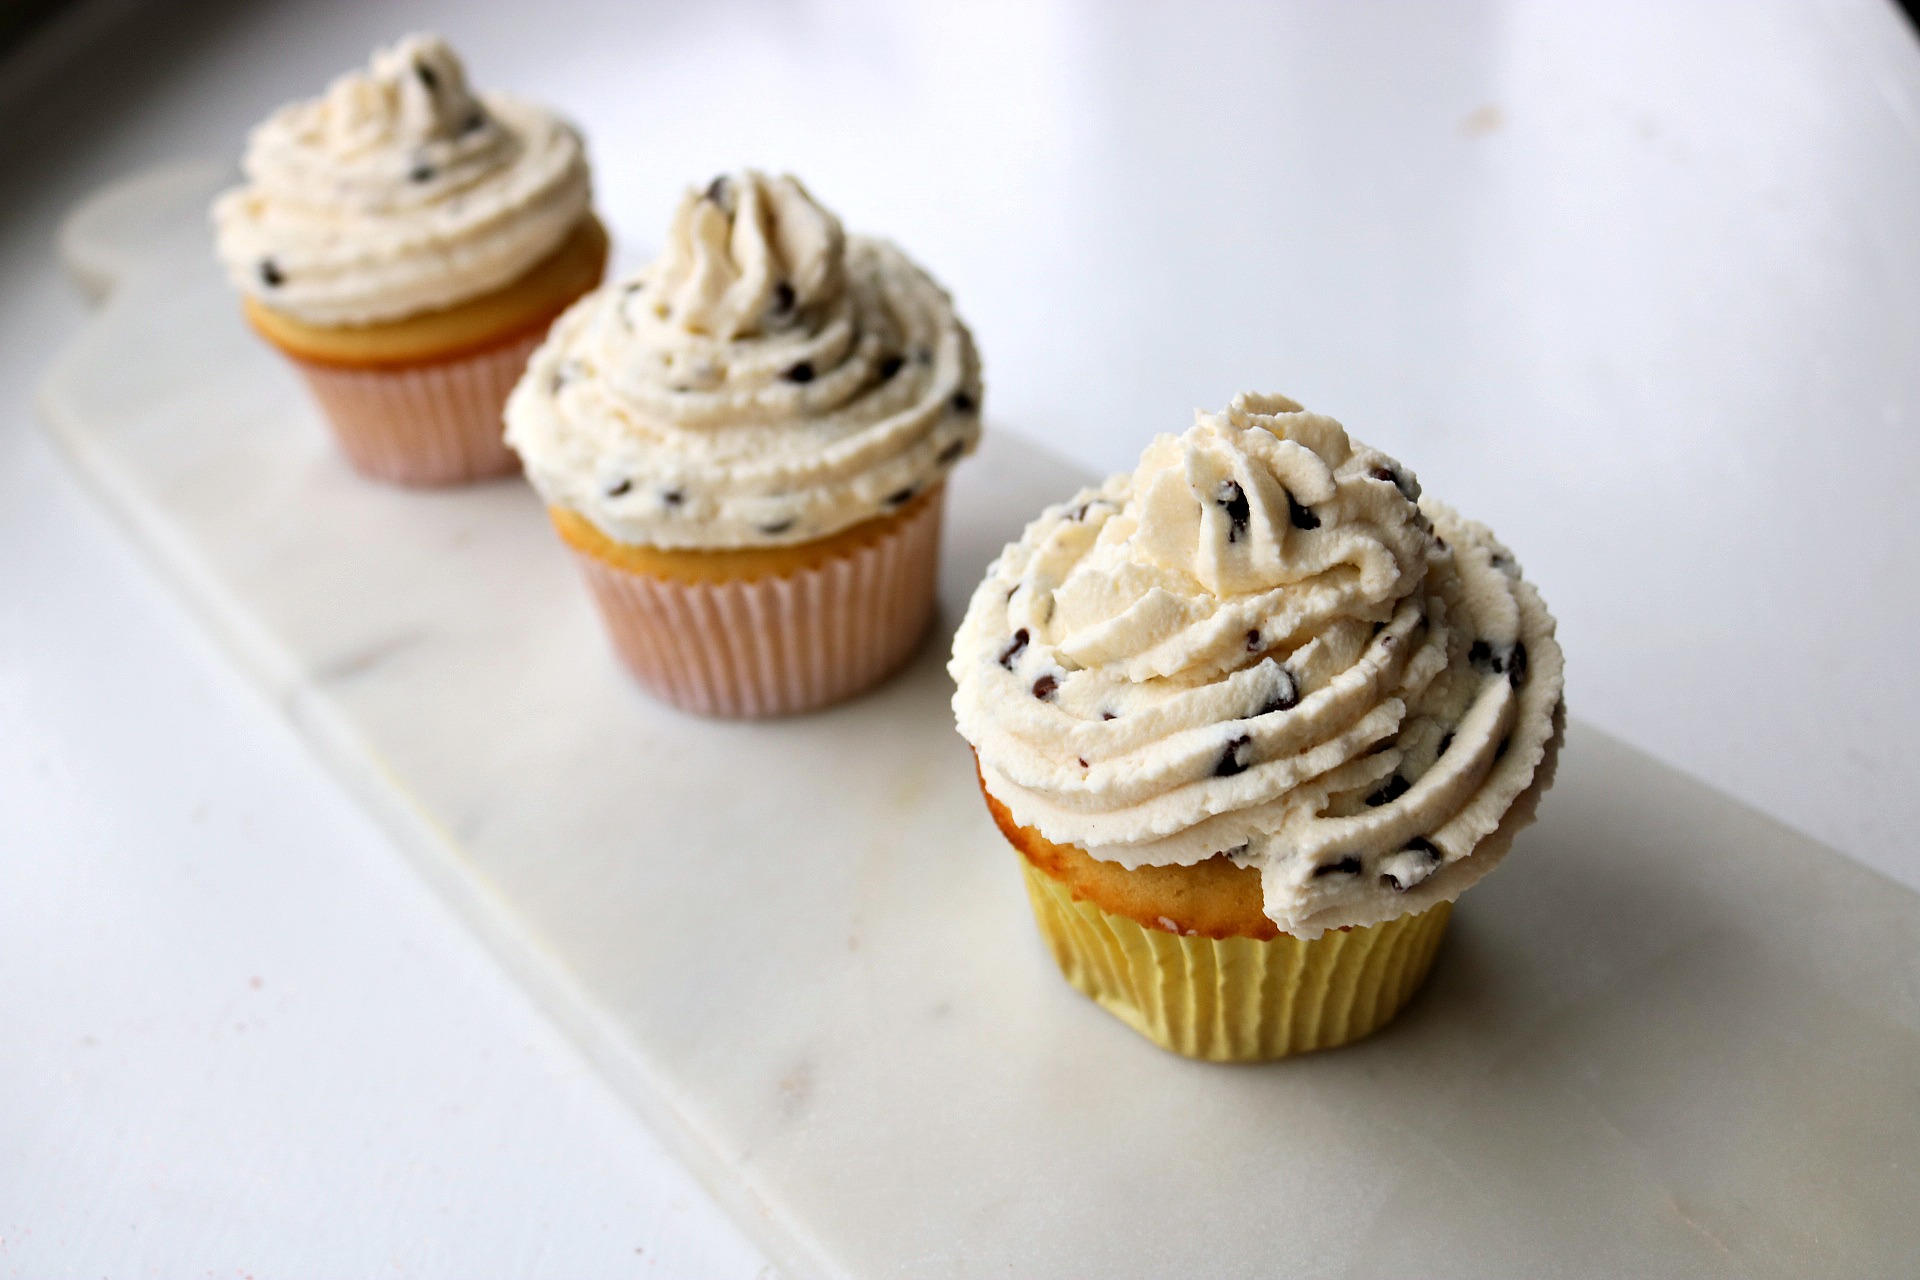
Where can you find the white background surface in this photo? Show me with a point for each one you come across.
(1639, 285)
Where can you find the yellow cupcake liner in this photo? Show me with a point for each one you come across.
(1237, 999)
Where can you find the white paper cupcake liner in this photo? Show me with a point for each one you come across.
(778, 645)
(426, 424)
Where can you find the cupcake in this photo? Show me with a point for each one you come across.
(746, 447)
(406, 244)
(1253, 717)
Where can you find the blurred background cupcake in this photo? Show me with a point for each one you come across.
(746, 446)
(406, 243)
(1254, 716)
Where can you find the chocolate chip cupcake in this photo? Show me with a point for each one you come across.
(746, 446)
(405, 243)
(1254, 716)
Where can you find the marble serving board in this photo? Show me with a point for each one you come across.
(1670, 1037)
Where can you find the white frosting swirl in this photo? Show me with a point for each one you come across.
(1261, 644)
(397, 192)
(767, 381)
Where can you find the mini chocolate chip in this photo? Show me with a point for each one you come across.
(673, 497)
(1284, 698)
(422, 173)
(1439, 542)
(1302, 517)
(1108, 715)
(1230, 761)
(962, 402)
(1385, 473)
(270, 273)
(1231, 496)
(1012, 651)
(1083, 761)
(619, 487)
(427, 78)
(900, 498)
(1347, 866)
(1079, 512)
(1517, 663)
(1501, 750)
(951, 453)
(1444, 744)
(783, 297)
(473, 122)
(802, 372)
(1253, 640)
(1390, 790)
(778, 526)
(889, 365)
(1045, 687)
(1420, 844)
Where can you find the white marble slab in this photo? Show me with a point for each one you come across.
(1669, 1037)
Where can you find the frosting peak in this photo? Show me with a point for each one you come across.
(399, 191)
(767, 380)
(746, 254)
(1262, 645)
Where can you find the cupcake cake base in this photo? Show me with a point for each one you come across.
(773, 631)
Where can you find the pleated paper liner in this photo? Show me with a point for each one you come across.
(1237, 999)
(782, 643)
(430, 424)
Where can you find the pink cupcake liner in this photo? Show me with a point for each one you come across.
(776, 646)
(424, 424)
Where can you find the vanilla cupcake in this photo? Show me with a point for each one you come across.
(746, 446)
(406, 243)
(1254, 716)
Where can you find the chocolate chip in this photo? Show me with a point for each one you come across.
(427, 78)
(1385, 473)
(1444, 744)
(1108, 715)
(673, 497)
(1302, 517)
(1390, 790)
(619, 487)
(1284, 698)
(1253, 640)
(1045, 687)
(962, 402)
(901, 497)
(1517, 663)
(1347, 866)
(473, 122)
(1083, 761)
(1012, 652)
(1230, 759)
(422, 173)
(951, 453)
(778, 526)
(270, 274)
(1231, 496)
(890, 365)
(783, 297)
(1440, 542)
(1079, 512)
(1420, 844)
(802, 372)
